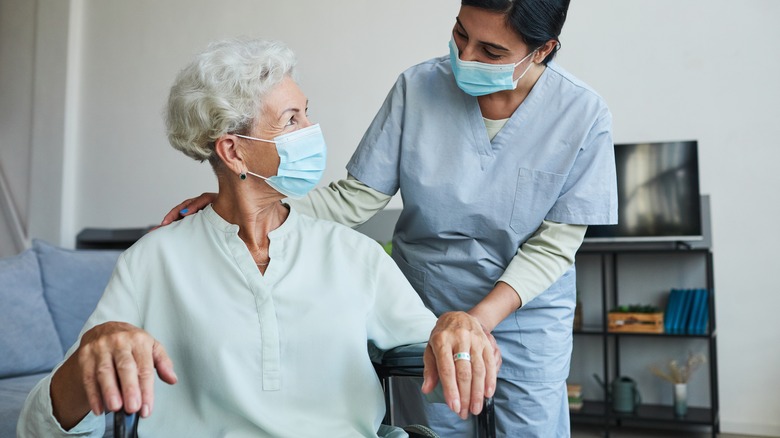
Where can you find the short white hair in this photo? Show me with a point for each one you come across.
(221, 91)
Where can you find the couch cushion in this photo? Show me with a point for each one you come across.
(28, 340)
(73, 281)
(13, 393)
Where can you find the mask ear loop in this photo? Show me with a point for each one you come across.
(254, 138)
(259, 176)
(531, 64)
(243, 174)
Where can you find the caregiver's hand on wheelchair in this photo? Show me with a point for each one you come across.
(465, 359)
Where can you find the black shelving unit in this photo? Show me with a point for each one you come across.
(655, 416)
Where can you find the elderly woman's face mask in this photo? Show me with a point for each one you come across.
(301, 161)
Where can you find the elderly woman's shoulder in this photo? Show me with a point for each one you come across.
(344, 233)
(162, 237)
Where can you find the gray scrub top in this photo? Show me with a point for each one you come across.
(469, 203)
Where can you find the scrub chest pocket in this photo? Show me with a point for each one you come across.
(535, 195)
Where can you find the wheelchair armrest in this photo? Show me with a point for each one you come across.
(405, 356)
(407, 360)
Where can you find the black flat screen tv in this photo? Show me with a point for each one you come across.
(658, 194)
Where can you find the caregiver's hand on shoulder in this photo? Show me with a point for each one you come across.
(462, 356)
(188, 207)
(113, 367)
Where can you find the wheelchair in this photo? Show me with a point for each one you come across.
(403, 361)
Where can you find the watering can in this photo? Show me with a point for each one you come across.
(624, 394)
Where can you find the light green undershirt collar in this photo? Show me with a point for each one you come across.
(493, 126)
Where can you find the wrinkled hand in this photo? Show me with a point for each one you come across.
(117, 363)
(465, 383)
(188, 207)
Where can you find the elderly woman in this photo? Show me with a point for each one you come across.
(265, 313)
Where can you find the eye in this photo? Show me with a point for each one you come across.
(491, 55)
(290, 122)
(460, 34)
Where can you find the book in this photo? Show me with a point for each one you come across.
(672, 305)
(700, 325)
(688, 298)
(685, 311)
(703, 324)
(679, 307)
(700, 302)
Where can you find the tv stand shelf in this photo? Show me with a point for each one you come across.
(612, 275)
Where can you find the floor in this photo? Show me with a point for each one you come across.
(592, 432)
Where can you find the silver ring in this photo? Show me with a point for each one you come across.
(464, 355)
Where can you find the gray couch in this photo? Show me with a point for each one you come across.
(46, 295)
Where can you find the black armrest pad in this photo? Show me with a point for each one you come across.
(405, 356)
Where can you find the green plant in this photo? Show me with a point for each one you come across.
(387, 246)
(635, 308)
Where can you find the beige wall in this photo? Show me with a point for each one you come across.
(82, 84)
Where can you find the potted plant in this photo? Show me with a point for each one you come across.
(679, 374)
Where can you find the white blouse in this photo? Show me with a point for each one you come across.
(273, 355)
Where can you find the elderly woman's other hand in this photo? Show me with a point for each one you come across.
(113, 367)
(465, 358)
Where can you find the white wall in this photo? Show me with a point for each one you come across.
(17, 39)
(698, 69)
(349, 55)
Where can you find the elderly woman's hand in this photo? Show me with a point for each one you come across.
(188, 207)
(465, 359)
(113, 367)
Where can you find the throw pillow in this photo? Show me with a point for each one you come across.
(73, 282)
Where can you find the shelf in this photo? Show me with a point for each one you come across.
(615, 270)
(656, 335)
(593, 330)
(600, 332)
(646, 248)
(645, 413)
(590, 409)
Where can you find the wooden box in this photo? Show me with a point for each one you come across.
(632, 322)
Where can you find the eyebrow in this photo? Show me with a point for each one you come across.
(487, 43)
(292, 110)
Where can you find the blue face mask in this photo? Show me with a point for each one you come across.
(301, 161)
(479, 78)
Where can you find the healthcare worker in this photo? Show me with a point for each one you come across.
(502, 159)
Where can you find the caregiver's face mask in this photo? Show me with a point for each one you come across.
(301, 161)
(479, 78)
